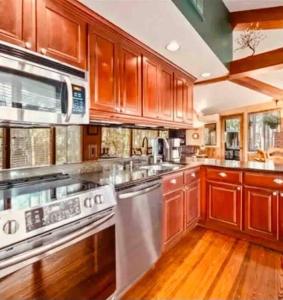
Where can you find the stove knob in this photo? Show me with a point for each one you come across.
(11, 227)
(98, 199)
(88, 202)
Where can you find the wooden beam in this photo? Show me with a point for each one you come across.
(259, 63)
(259, 86)
(212, 80)
(265, 18)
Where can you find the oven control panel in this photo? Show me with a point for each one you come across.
(51, 214)
(79, 99)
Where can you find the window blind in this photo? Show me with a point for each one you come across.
(29, 147)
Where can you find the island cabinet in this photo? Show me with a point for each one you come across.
(53, 28)
(224, 198)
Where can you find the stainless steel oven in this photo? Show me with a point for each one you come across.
(57, 239)
(36, 89)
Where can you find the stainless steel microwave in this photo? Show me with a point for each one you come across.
(36, 89)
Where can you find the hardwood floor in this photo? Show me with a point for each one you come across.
(210, 265)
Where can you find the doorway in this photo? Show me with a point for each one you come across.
(232, 132)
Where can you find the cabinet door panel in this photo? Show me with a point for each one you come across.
(61, 33)
(224, 204)
(166, 94)
(188, 103)
(261, 212)
(103, 72)
(150, 88)
(17, 22)
(174, 212)
(179, 99)
(192, 203)
(130, 80)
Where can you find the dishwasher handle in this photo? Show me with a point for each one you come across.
(140, 192)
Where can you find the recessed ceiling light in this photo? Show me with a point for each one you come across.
(173, 46)
(205, 75)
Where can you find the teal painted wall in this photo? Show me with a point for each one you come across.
(213, 27)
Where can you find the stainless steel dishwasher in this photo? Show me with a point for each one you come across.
(139, 231)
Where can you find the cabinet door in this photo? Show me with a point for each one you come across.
(103, 70)
(130, 79)
(188, 103)
(192, 203)
(150, 88)
(224, 205)
(261, 212)
(166, 101)
(280, 216)
(174, 215)
(17, 22)
(179, 98)
(61, 33)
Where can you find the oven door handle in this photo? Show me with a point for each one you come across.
(15, 263)
(69, 98)
(138, 193)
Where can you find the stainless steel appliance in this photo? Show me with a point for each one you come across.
(139, 231)
(36, 89)
(160, 149)
(174, 153)
(61, 228)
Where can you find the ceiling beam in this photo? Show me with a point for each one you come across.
(259, 86)
(264, 18)
(212, 80)
(259, 63)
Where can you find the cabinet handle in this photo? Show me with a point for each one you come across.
(281, 194)
(278, 181)
(238, 188)
(193, 175)
(28, 45)
(173, 181)
(43, 51)
(222, 174)
(274, 193)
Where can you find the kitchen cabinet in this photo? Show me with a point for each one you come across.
(179, 98)
(188, 106)
(166, 100)
(103, 69)
(61, 32)
(130, 79)
(280, 216)
(150, 87)
(261, 214)
(192, 203)
(17, 22)
(224, 205)
(173, 215)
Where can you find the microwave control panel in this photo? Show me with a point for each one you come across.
(79, 101)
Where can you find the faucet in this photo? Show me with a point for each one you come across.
(156, 150)
(145, 140)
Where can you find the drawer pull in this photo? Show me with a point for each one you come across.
(28, 45)
(278, 181)
(274, 193)
(238, 188)
(222, 174)
(281, 194)
(173, 181)
(193, 175)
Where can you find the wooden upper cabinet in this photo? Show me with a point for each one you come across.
(103, 70)
(61, 32)
(130, 79)
(179, 98)
(224, 202)
(150, 88)
(17, 22)
(166, 100)
(188, 103)
(261, 213)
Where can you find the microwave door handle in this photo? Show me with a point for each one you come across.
(69, 98)
(15, 263)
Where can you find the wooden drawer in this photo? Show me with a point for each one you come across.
(173, 182)
(224, 175)
(191, 175)
(273, 181)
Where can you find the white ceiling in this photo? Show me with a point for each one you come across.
(274, 78)
(222, 96)
(237, 5)
(157, 22)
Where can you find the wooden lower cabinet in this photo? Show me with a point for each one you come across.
(224, 205)
(192, 204)
(261, 212)
(173, 215)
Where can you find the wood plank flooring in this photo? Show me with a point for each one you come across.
(209, 265)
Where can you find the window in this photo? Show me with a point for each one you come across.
(1, 148)
(68, 144)
(29, 147)
(199, 6)
(262, 128)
